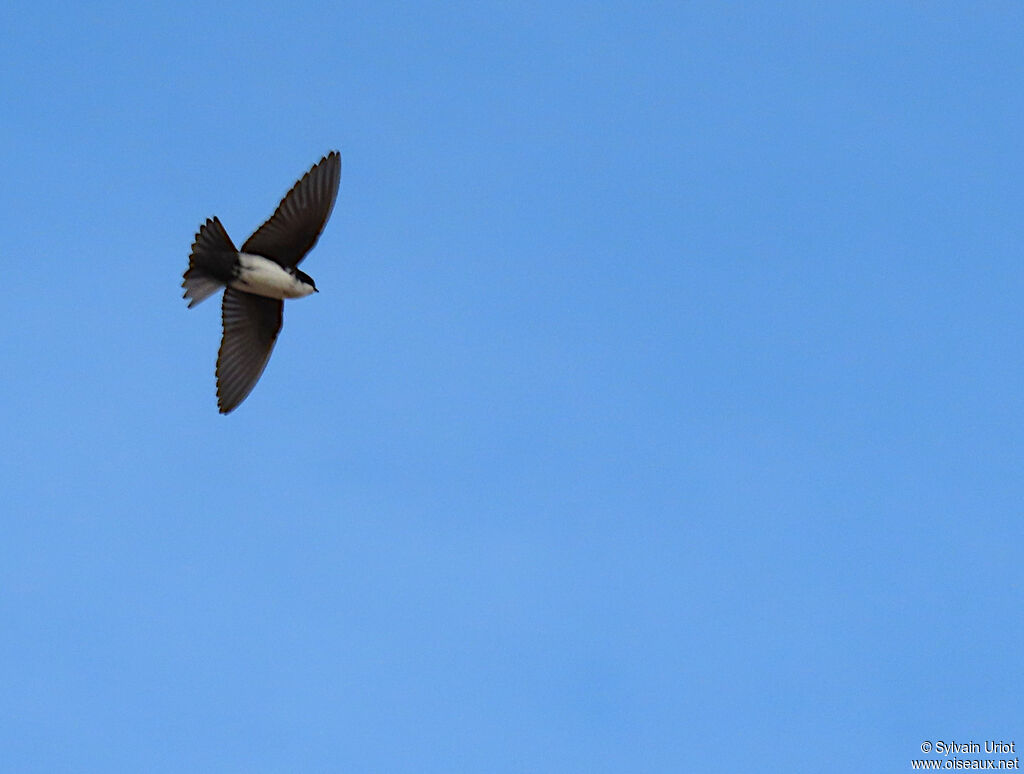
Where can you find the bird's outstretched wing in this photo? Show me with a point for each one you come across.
(296, 224)
(251, 324)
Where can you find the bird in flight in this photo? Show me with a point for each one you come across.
(259, 277)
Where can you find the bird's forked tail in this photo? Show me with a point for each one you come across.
(210, 263)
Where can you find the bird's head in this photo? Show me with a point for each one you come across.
(305, 279)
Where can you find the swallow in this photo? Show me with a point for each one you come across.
(257, 278)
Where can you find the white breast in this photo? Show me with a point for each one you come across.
(263, 277)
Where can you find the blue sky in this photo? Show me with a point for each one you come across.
(661, 409)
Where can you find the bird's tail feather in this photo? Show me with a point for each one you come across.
(210, 263)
